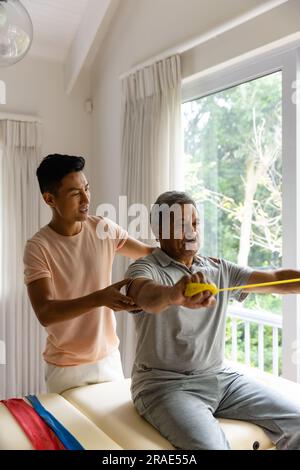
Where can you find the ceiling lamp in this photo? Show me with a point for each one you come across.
(16, 32)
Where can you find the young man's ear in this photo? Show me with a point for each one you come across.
(49, 199)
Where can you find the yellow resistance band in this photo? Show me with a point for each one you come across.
(195, 288)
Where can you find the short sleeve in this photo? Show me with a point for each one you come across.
(143, 268)
(35, 264)
(233, 276)
(106, 228)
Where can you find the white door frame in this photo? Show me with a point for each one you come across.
(288, 62)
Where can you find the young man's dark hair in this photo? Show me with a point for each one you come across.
(54, 168)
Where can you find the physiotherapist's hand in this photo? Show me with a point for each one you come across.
(111, 297)
(204, 299)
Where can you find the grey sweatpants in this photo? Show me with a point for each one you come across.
(185, 413)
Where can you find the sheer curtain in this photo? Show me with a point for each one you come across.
(20, 331)
(151, 153)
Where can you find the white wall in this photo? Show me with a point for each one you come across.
(143, 29)
(36, 87)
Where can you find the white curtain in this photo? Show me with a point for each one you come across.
(151, 153)
(19, 219)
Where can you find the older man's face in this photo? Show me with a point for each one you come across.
(183, 238)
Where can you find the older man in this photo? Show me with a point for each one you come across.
(179, 381)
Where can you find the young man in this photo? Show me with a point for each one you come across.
(68, 276)
(179, 381)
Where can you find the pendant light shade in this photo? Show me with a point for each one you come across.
(16, 32)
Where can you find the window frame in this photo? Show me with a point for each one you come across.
(288, 62)
(2, 92)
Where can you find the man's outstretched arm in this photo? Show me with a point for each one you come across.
(258, 277)
(50, 310)
(135, 249)
(155, 298)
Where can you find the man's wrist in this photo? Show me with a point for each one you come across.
(97, 299)
(169, 295)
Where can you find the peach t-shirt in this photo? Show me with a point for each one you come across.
(77, 266)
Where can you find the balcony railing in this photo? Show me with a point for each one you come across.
(263, 319)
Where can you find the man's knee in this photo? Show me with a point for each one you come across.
(211, 438)
(291, 436)
(185, 427)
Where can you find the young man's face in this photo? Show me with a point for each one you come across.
(71, 203)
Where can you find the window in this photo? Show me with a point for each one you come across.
(1, 218)
(241, 151)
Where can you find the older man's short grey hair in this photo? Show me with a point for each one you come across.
(174, 197)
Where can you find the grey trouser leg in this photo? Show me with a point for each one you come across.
(185, 413)
(249, 400)
(185, 417)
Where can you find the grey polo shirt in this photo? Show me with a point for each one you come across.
(179, 340)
